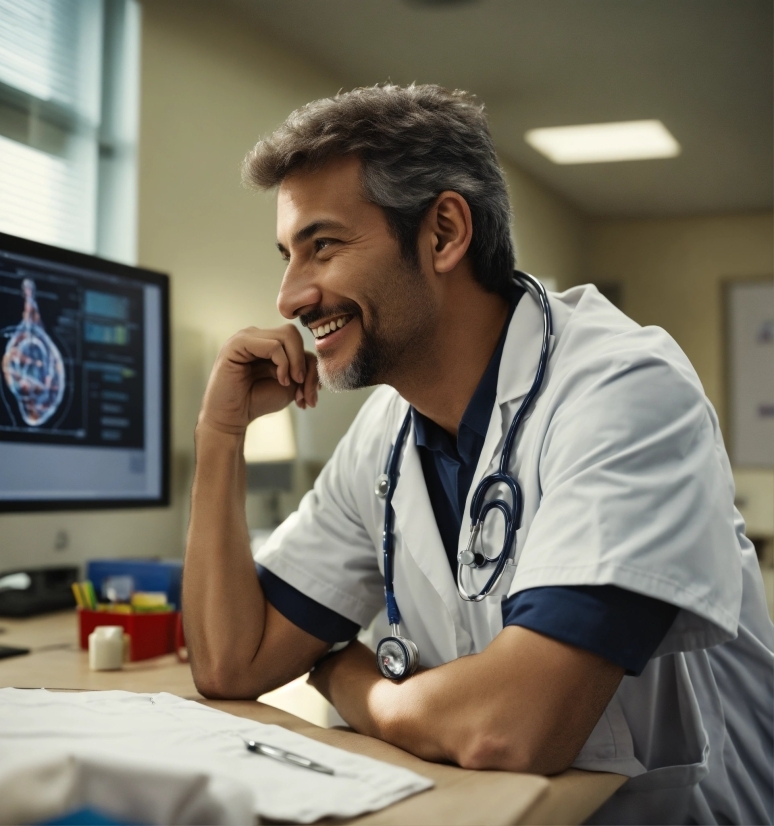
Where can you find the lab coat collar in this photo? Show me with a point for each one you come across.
(518, 365)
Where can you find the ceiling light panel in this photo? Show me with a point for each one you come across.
(633, 140)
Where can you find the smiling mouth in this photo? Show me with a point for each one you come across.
(329, 327)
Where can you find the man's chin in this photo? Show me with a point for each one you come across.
(339, 378)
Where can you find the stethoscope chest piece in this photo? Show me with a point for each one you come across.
(397, 657)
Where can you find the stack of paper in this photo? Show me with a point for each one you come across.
(156, 758)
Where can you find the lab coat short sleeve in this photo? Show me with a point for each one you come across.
(635, 494)
(324, 549)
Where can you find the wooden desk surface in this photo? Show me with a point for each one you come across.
(460, 796)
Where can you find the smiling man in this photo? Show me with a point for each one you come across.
(628, 632)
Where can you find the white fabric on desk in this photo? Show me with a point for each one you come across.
(198, 754)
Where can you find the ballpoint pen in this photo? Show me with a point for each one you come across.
(286, 757)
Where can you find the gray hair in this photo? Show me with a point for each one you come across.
(414, 142)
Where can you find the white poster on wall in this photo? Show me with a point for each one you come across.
(750, 342)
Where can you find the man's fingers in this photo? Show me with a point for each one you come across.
(293, 344)
(311, 381)
(294, 347)
(252, 344)
(257, 372)
(279, 357)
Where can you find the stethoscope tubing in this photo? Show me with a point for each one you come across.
(511, 513)
(479, 508)
(545, 346)
(393, 613)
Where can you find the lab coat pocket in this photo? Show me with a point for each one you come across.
(673, 737)
(659, 796)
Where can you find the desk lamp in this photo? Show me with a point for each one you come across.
(270, 451)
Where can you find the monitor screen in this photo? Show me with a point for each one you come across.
(84, 381)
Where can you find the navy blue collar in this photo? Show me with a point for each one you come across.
(475, 419)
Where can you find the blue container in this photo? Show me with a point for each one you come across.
(148, 574)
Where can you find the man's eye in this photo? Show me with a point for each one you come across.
(321, 243)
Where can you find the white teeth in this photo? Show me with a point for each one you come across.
(324, 329)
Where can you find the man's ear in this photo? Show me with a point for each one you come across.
(448, 229)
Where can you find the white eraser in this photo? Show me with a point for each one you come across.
(106, 648)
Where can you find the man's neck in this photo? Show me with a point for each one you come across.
(443, 379)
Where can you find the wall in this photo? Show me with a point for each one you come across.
(672, 270)
(212, 84)
(550, 235)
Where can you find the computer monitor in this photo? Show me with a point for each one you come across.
(84, 381)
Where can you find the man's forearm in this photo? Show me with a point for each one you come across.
(380, 708)
(526, 703)
(419, 714)
(224, 605)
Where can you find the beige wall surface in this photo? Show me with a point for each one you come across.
(549, 234)
(672, 272)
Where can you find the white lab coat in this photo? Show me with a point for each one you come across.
(625, 482)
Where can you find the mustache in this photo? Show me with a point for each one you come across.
(313, 316)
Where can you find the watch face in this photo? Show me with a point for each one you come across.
(392, 659)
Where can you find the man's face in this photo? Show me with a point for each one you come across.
(369, 310)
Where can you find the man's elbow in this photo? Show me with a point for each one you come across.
(222, 683)
(508, 751)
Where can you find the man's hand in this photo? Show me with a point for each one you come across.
(526, 703)
(240, 646)
(258, 372)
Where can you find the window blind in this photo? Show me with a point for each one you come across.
(55, 105)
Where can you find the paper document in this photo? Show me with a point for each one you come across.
(157, 758)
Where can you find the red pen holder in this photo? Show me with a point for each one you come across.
(151, 634)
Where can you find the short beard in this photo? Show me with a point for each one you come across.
(379, 357)
(360, 372)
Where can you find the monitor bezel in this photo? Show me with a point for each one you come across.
(25, 246)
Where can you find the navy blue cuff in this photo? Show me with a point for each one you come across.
(303, 611)
(622, 626)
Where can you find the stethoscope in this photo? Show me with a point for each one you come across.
(397, 656)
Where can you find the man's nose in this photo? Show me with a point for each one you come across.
(298, 292)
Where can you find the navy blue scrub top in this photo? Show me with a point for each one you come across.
(620, 625)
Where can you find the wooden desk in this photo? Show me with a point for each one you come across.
(460, 796)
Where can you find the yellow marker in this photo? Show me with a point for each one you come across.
(77, 594)
(90, 594)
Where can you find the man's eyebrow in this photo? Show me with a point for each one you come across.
(305, 233)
